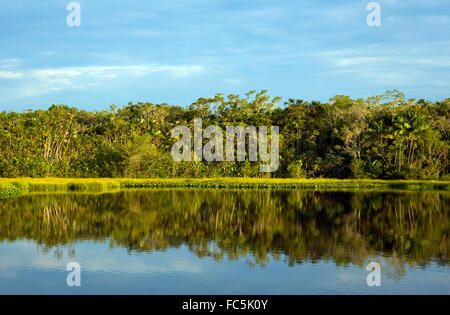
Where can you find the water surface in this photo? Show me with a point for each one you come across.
(226, 242)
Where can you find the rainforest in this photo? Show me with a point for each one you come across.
(381, 137)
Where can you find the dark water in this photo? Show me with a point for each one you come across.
(226, 242)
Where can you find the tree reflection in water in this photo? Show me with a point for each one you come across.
(407, 228)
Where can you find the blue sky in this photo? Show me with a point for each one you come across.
(176, 51)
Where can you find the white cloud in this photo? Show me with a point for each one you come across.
(41, 81)
(384, 65)
(10, 75)
(9, 63)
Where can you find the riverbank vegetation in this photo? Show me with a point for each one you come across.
(381, 137)
(10, 187)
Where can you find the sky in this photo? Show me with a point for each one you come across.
(176, 51)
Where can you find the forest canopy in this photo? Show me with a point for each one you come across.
(384, 136)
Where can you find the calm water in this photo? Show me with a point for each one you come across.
(226, 242)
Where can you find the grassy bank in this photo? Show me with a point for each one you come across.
(15, 186)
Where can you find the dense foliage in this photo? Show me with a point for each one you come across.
(383, 136)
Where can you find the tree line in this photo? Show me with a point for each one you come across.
(383, 136)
